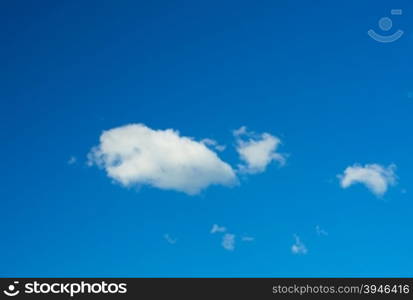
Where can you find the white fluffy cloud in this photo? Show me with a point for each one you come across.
(257, 151)
(228, 242)
(375, 177)
(136, 154)
(298, 247)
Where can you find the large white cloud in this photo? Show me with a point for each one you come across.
(374, 176)
(257, 151)
(136, 154)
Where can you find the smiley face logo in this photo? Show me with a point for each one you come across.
(11, 290)
(385, 24)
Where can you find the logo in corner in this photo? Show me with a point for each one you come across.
(385, 25)
(11, 290)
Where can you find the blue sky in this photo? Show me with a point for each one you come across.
(305, 73)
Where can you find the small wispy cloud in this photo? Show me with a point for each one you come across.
(169, 239)
(257, 151)
(247, 239)
(228, 242)
(320, 231)
(375, 177)
(214, 144)
(216, 228)
(72, 160)
(298, 247)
